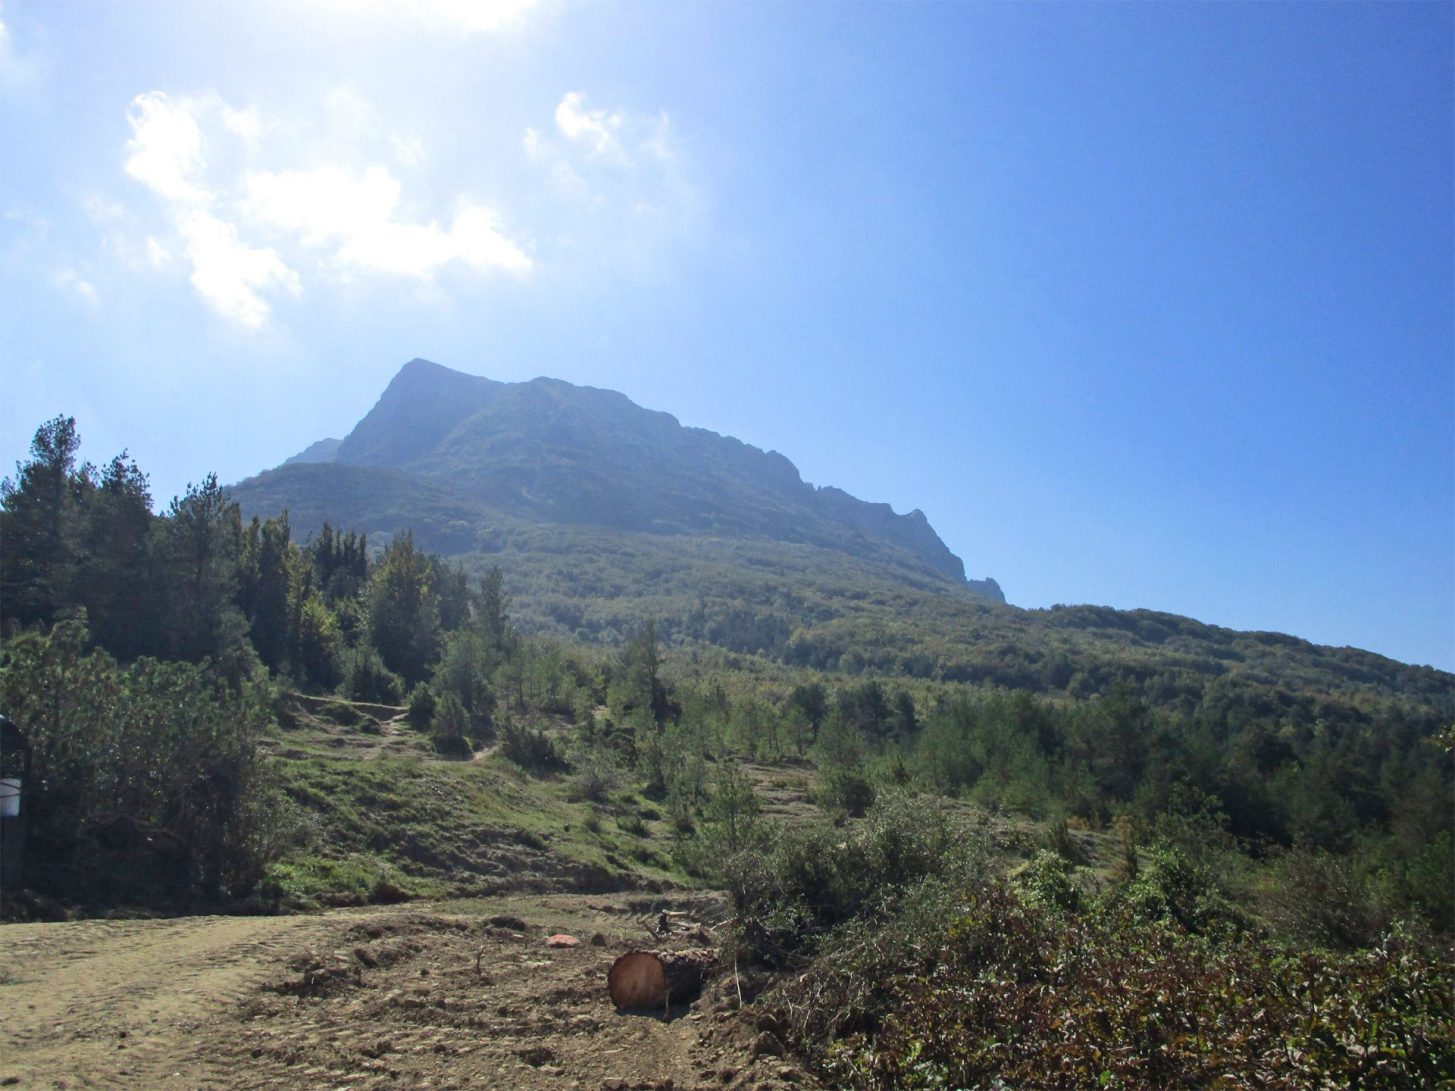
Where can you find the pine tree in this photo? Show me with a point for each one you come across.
(404, 619)
(41, 525)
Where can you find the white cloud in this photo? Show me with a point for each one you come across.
(247, 123)
(658, 141)
(321, 204)
(599, 138)
(73, 281)
(166, 147)
(625, 184)
(356, 216)
(419, 249)
(229, 274)
(167, 155)
(158, 256)
(408, 150)
(349, 113)
(16, 69)
(596, 130)
(103, 210)
(242, 228)
(476, 240)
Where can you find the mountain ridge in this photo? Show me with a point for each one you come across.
(552, 452)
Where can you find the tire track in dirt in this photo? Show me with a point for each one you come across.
(104, 1003)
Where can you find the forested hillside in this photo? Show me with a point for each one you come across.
(1058, 799)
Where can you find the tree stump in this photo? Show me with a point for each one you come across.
(645, 980)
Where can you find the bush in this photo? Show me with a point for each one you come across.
(1015, 996)
(814, 879)
(529, 747)
(146, 783)
(451, 728)
(1319, 899)
(421, 707)
(1048, 880)
(730, 824)
(1060, 841)
(1172, 885)
(598, 774)
(308, 881)
(366, 678)
(846, 789)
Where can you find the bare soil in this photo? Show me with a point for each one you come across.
(448, 995)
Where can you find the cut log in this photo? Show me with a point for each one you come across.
(645, 980)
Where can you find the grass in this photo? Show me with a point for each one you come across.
(382, 817)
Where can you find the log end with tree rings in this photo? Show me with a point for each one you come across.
(649, 980)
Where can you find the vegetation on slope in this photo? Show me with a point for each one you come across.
(1239, 823)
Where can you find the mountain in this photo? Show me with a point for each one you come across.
(602, 516)
(457, 458)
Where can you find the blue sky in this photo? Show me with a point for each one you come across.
(1144, 305)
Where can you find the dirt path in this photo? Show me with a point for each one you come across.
(105, 1003)
(360, 999)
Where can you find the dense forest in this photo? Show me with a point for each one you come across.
(1268, 803)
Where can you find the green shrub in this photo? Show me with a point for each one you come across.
(1016, 996)
(1171, 885)
(598, 774)
(421, 707)
(811, 880)
(147, 782)
(1048, 880)
(845, 788)
(529, 747)
(632, 824)
(451, 728)
(366, 678)
(1060, 841)
(730, 824)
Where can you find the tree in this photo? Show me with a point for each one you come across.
(733, 808)
(866, 709)
(340, 563)
(266, 577)
(839, 752)
(906, 723)
(404, 619)
(813, 701)
(117, 578)
(41, 524)
(202, 541)
(641, 689)
(452, 594)
(317, 646)
(464, 673)
(492, 617)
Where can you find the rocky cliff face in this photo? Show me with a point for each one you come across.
(551, 452)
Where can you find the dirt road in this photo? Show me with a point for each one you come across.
(403, 997)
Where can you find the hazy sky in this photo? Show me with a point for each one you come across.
(1145, 305)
